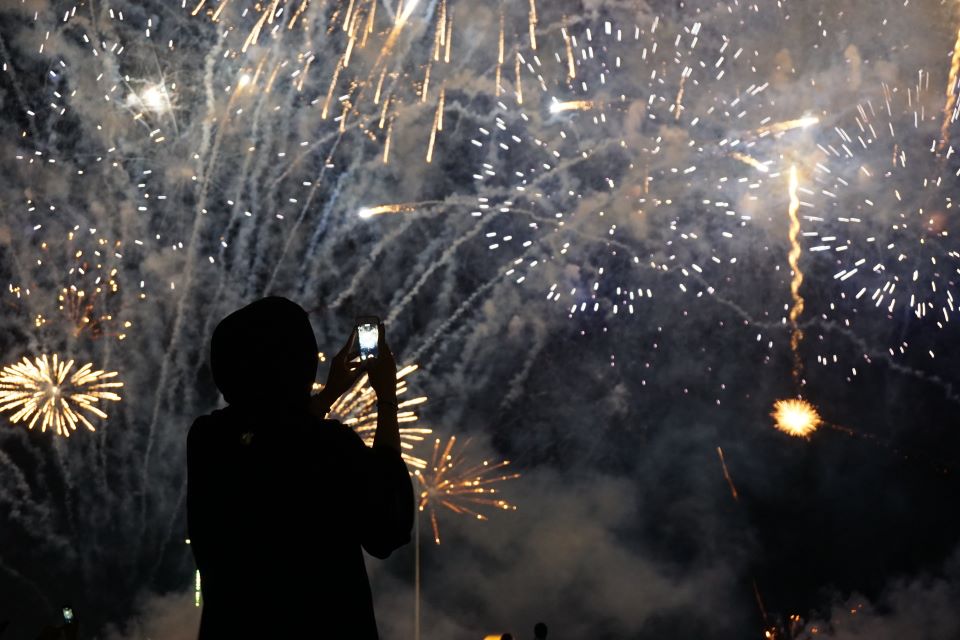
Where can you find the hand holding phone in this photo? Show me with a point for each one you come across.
(368, 337)
(382, 370)
(344, 371)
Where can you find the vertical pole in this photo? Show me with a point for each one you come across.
(416, 578)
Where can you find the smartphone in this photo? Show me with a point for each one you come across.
(67, 615)
(368, 336)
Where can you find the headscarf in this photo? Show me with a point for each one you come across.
(265, 355)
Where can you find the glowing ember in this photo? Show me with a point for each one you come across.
(796, 417)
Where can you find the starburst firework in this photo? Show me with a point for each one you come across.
(44, 390)
(451, 482)
(796, 417)
(357, 409)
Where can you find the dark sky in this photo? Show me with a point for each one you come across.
(592, 272)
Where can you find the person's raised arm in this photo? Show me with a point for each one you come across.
(382, 372)
(390, 501)
(343, 373)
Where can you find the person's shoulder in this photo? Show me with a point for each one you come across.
(205, 428)
(341, 433)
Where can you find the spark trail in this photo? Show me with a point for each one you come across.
(949, 109)
(796, 335)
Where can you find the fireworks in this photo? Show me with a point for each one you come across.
(887, 214)
(154, 98)
(84, 269)
(796, 334)
(571, 105)
(369, 212)
(726, 475)
(357, 409)
(451, 482)
(795, 417)
(615, 161)
(950, 108)
(44, 391)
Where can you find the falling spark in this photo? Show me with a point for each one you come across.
(532, 24)
(448, 482)
(787, 125)
(678, 103)
(750, 161)
(386, 154)
(793, 258)
(568, 46)
(726, 474)
(440, 33)
(498, 89)
(571, 105)
(44, 390)
(448, 44)
(369, 212)
(795, 417)
(426, 84)
(357, 409)
(516, 73)
(437, 126)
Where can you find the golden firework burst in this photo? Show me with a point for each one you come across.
(451, 482)
(357, 409)
(795, 417)
(44, 390)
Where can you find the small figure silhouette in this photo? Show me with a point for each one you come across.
(280, 500)
(540, 631)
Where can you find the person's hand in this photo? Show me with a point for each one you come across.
(382, 370)
(343, 372)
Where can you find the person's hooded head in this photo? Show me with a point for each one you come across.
(265, 355)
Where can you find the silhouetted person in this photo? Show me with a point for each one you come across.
(66, 631)
(280, 500)
(540, 631)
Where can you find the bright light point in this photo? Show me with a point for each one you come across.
(407, 11)
(795, 417)
(153, 98)
(244, 80)
(571, 105)
(369, 212)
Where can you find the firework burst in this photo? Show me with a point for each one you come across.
(887, 221)
(635, 152)
(795, 417)
(44, 390)
(450, 481)
(357, 409)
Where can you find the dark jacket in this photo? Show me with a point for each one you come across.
(279, 505)
(278, 512)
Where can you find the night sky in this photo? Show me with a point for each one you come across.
(576, 218)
